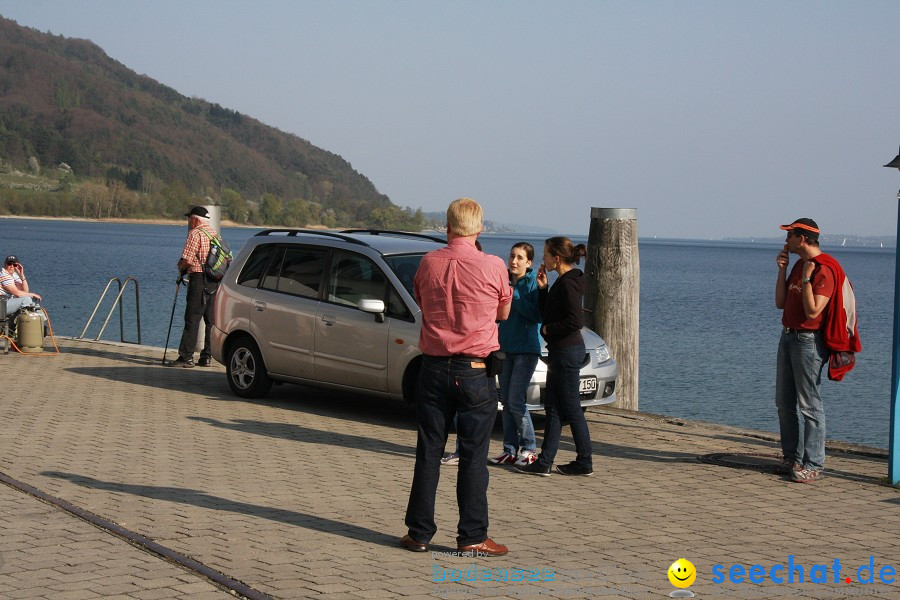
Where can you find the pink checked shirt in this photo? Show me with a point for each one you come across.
(459, 289)
(196, 248)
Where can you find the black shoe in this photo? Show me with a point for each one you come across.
(535, 468)
(180, 362)
(204, 361)
(575, 469)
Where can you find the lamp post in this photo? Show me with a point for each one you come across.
(894, 442)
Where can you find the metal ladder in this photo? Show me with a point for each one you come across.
(117, 302)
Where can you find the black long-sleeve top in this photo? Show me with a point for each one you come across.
(561, 310)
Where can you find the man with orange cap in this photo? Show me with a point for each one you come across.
(802, 294)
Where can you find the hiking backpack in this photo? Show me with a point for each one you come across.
(218, 259)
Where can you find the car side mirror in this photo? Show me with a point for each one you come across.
(376, 307)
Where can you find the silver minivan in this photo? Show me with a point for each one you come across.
(336, 310)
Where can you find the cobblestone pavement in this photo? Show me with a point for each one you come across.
(303, 495)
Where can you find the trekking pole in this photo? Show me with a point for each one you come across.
(172, 318)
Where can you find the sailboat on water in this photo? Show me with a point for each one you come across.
(844, 243)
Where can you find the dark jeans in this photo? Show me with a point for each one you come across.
(562, 401)
(198, 305)
(447, 386)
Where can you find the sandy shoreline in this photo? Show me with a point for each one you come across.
(223, 223)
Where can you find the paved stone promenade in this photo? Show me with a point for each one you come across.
(302, 495)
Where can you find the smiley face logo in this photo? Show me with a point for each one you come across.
(682, 573)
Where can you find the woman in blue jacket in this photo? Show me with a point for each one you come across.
(520, 343)
(562, 314)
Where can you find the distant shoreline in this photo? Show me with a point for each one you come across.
(223, 222)
(853, 241)
(86, 220)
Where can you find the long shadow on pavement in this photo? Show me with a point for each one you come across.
(118, 353)
(204, 500)
(766, 441)
(289, 431)
(211, 384)
(196, 380)
(355, 407)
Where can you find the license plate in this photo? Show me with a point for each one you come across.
(588, 385)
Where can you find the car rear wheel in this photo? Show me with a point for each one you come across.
(246, 372)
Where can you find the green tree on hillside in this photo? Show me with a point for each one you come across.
(233, 205)
(297, 213)
(270, 209)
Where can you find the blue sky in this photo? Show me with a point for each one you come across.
(712, 118)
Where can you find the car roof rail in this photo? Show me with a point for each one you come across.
(295, 232)
(424, 236)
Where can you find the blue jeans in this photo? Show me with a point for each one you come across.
(447, 386)
(518, 430)
(563, 401)
(801, 413)
(15, 304)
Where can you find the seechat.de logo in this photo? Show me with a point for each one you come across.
(682, 574)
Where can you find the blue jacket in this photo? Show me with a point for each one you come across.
(519, 333)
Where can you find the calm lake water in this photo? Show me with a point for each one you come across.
(709, 326)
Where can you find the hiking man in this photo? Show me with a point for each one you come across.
(199, 302)
(816, 321)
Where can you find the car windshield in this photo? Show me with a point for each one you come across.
(404, 267)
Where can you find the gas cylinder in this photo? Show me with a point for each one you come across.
(30, 331)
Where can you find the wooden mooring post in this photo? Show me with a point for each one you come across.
(612, 298)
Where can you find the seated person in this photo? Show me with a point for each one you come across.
(14, 286)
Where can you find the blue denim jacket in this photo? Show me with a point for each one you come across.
(519, 333)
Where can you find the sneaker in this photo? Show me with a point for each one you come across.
(180, 362)
(575, 469)
(204, 361)
(450, 459)
(534, 468)
(807, 475)
(504, 459)
(526, 457)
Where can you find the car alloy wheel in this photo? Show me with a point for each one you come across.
(247, 375)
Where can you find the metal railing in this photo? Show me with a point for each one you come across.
(117, 303)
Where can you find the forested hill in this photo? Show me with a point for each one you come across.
(65, 102)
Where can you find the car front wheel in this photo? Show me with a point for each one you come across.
(246, 372)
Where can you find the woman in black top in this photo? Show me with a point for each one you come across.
(563, 317)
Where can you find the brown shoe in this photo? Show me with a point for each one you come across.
(486, 548)
(412, 545)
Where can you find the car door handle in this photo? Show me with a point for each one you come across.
(259, 305)
(329, 320)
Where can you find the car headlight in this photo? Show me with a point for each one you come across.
(602, 354)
